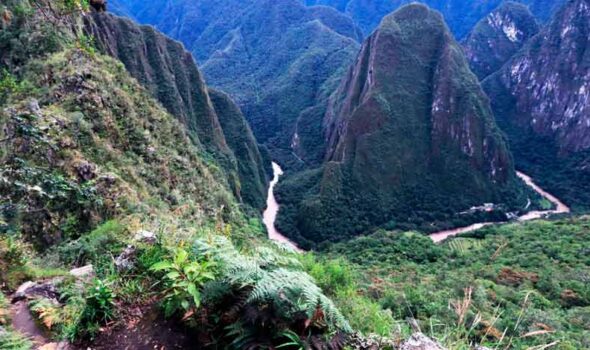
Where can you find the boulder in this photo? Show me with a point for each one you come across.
(32, 290)
(126, 260)
(83, 272)
(418, 341)
(145, 237)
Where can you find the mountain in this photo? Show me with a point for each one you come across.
(274, 58)
(497, 37)
(541, 99)
(410, 139)
(251, 164)
(170, 73)
(460, 15)
(96, 175)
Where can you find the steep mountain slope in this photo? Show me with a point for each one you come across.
(408, 132)
(496, 38)
(170, 73)
(253, 177)
(274, 58)
(461, 15)
(96, 173)
(541, 99)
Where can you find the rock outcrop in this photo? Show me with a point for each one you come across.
(497, 37)
(541, 98)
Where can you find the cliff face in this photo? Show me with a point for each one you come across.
(170, 73)
(542, 97)
(165, 68)
(408, 127)
(274, 58)
(250, 165)
(497, 37)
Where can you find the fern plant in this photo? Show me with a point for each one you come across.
(47, 311)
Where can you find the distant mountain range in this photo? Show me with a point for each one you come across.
(460, 15)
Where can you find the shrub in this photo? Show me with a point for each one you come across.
(184, 278)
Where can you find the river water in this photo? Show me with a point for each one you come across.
(270, 214)
(272, 208)
(560, 208)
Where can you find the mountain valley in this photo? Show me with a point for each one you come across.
(294, 174)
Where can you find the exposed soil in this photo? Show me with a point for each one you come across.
(143, 331)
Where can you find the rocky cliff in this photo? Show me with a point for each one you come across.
(541, 98)
(170, 73)
(497, 37)
(409, 131)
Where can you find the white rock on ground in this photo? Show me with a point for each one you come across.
(419, 341)
(83, 272)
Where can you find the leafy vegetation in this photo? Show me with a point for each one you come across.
(515, 285)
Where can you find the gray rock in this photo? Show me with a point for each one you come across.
(83, 272)
(145, 237)
(418, 341)
(34, 107)
(31, 290)
(126, 260)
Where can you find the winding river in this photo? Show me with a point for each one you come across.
(272, 208)
(270, 214)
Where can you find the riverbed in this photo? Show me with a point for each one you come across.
(270, 214)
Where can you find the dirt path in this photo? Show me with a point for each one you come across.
(23, 322)
(272, 208)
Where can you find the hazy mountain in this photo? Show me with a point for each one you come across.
(460, 15)
(410, 138)
(541, 99)
(497, 37)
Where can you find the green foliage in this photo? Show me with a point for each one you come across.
(94, 246)
(527, 280)
(99, 303)
(86, 44)
(14, 255)
(13, 341)
(184, 278)
(8, 85)
(71, 6)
